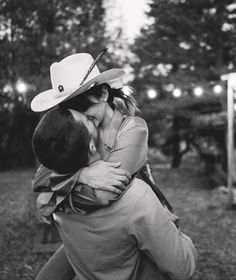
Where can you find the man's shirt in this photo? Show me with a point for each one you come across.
(133, 238)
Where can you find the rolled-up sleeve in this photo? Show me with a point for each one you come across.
(172, 251)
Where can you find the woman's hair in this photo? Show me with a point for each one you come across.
(60, 143)
(121, 99)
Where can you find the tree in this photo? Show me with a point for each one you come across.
(37, 33)
(34, 34)
(188, 43)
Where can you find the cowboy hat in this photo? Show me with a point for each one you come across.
(70, 77)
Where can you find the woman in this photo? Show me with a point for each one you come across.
(123, 138)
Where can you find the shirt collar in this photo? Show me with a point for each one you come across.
(113, 128)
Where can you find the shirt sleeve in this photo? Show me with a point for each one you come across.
(156, 235)
(130, 147)
(41, 179)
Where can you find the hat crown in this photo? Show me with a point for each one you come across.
(72, 76)
(68, 74)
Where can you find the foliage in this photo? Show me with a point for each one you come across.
(37, 33)
(33, 35)
(188, 43)
(17, 123)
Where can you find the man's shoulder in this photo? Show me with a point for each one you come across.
(139, 192)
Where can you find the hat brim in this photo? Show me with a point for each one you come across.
(47, 99)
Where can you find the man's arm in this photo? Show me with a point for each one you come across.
(172, 251)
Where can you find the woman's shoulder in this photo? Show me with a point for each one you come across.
(134, 122)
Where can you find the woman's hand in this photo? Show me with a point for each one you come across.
(105, 176)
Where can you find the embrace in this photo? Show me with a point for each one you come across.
(95, 185)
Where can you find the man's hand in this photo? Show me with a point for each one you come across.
(105, 176)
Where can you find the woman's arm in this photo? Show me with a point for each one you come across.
(130, 150)
(125, 158)
(40, 181)
(131, 145)
(105, 175)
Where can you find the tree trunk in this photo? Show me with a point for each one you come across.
(176, 153)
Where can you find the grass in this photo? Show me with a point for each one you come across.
(18, 227)
(205, 218)
(202, 211)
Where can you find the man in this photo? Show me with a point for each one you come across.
(133, 238)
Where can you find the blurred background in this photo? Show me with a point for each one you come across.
(175, 53)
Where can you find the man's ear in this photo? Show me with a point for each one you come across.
(92, 147)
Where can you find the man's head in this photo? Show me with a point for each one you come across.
(63, 140)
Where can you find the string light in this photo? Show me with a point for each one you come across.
(177, 92)
(198, 91)
(7, 88)
(217, 89)
(151, 93)
(21, 86)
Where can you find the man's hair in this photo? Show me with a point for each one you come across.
(60, 142)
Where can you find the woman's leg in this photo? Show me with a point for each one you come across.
(57, 267)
